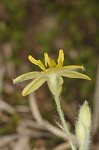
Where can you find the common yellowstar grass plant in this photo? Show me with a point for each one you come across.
(52, 73)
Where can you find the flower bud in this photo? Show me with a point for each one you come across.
(85, 115)
(83, 126)
(80, 133)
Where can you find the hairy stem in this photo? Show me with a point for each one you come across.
(61, 115)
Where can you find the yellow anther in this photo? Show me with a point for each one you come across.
(33, 60)
(40, 64)
(48, 61)
(36, 62)
(60, 58)
(52, 63)
(46, 58)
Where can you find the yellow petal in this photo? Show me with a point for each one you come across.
(36, 62)
(60, 58)
(72, 67)
(74, 74)
(32, 86)
(27, 76)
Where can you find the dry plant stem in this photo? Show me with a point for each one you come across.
(45, 124)
(61, 115)
(96, 104)
(62, 146)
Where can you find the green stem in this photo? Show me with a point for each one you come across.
(61, 115)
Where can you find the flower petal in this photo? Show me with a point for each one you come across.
(32, 86)
(74, 74)
(72, 67)
(36, 62)
(27, 76)
(60, 58)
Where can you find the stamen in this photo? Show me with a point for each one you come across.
(36, 62)
(60, 58)
(33, 60)
(49, 61)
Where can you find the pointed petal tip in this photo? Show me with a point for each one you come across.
(23, 94)
(83, 67)
(13, 80)
(85, 102)
(89, 79)
(33, 86)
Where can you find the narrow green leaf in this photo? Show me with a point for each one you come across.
(27, 76)
(32, 86)
(75, 74)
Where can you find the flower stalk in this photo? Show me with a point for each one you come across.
(64, 124)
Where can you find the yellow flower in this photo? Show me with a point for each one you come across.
(51, 72)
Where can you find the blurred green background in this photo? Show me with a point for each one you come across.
(34, 27)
